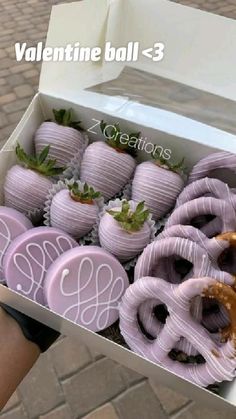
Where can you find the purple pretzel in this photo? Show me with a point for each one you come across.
(214, 248)
(208, 187)
(150, 263)
(220, 358)
(223, 210)
(214, 187)
(215, 161)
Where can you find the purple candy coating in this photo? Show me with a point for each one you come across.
(25, 189)
(220, 358)
(65, 142)
(85, 285)
(12, 225)
(29, 256)
(106, 169)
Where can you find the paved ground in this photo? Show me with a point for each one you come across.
(70, 381)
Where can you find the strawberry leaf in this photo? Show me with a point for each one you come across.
(65, 118)
(176, 167)
(39, 163)
(130, 221)
(85, 195)
(43, 155)
(113, 137)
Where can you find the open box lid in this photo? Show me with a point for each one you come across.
(198, 65)
(199, 46)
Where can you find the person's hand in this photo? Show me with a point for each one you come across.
(33, 330)
(22, 339)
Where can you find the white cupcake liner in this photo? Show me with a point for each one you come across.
(117, 203)
(73, 168)
(92, 236)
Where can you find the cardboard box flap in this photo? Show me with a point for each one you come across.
(199, 46)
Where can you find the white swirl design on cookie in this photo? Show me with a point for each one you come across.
(5, 236)
(47, 253)
(93, 308)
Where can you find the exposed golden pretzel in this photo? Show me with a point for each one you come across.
(230, 237)
(225, 295)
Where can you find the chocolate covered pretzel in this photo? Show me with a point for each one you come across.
(150, 263)
(210, 164)
(220, 358)
(207, 186)
(223, 210)
(215, 248)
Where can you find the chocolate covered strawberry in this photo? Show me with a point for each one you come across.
(75, 209)
(27, 185)
(65, 137)
(159, 184)
(124, 231)
(108, 165)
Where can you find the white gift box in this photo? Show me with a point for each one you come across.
(199, 54)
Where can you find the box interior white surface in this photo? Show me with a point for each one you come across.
(40, 109)
(183, 135)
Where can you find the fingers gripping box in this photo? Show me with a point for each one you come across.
(184, 104)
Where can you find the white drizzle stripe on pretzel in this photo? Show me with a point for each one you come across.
(220, 358)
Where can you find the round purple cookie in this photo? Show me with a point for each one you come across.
(12, 225)
(29, 256)
(85, 285)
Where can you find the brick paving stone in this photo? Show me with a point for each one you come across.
(197, 412)
(170, 400)
(15, 80)
(14, 400)
(3, 54)
(4, 73)
(69, 356)
(17, 105)
(3, 120)
(93, 387)
(10, 97)
(24, 91)
(5, 90)
(17, 413)
(62, 412)
(130, 377)
(19, 68)
(31, 73)
(95, 355)
(6, 132)
(104, 412)
(139, 402)
(16, 116)
(2, 82)
(41, 391)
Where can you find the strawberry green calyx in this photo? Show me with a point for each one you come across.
(39, 163)
(85, 196)
(65, 118)
(119, 140)
(166, 164)
(131, 221)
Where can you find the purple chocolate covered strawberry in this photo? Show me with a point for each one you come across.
(109, 165)
(26, 186)
(65, 137)
(74, 210)
(159, 184)
(124, 231)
